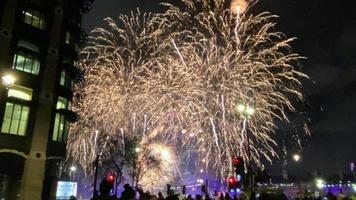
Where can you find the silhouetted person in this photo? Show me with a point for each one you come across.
(160, 196)
(189, 197)
(221, 196)
(235, 197)
(253, 195)
(73, 198)
(198, 197)
(330, 196)
(227, 196)
(104, 189)
(128, 193)
(207, 197)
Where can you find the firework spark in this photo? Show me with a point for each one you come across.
(181, 74)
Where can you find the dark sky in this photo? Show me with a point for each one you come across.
(326, 32)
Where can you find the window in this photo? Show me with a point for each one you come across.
(27, 63)
(26, 58)
(20, 93)
(67, 37)
(60, 129)
(62, 103)
(65, 79)
(34, 18)
(15, 119)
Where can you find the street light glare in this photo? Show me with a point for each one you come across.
(73, 168)
(241, 108)
(320, 183)
(250, 111)
(296, 157)
(8, 80)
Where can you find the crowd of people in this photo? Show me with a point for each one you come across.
(130, 193)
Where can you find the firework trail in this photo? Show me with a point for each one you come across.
(176, 78)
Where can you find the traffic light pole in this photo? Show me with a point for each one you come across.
(96, 165)
(250, 175)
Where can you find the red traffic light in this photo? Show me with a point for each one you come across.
(236, 160)
(232, 182)
(110, 178)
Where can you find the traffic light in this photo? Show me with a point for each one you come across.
(232, 182)
(110, 181)
(239, 165)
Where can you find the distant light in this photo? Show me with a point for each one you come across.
(320, 183)
(241, 108)
(296, 157)
(201, 171)
(184, 131)
(238, 177)
(137, 149)
(250, 111)
(73, 169)
(8, 80)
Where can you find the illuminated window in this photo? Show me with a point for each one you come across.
(62, 103)
(65, 79)
(34, 18)
(60, 128)
(15, 119)
(67, 37)
(26, 59)
(27, 63)
(20, 93)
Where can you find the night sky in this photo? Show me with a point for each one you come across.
(326, 32)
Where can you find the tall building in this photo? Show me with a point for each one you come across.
(39, 42)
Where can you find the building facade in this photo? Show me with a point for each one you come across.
(39, 41)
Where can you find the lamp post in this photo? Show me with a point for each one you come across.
(137, 151)
(72, 170)
(246, 111)
(96, 166)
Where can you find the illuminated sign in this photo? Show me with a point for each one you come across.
(65, 189)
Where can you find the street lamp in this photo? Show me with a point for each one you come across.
(296, 157)
(246, 111)
(8, 80)
(72, 170)
(320, 183)
(134, 174)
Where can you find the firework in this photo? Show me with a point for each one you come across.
(177, 78)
